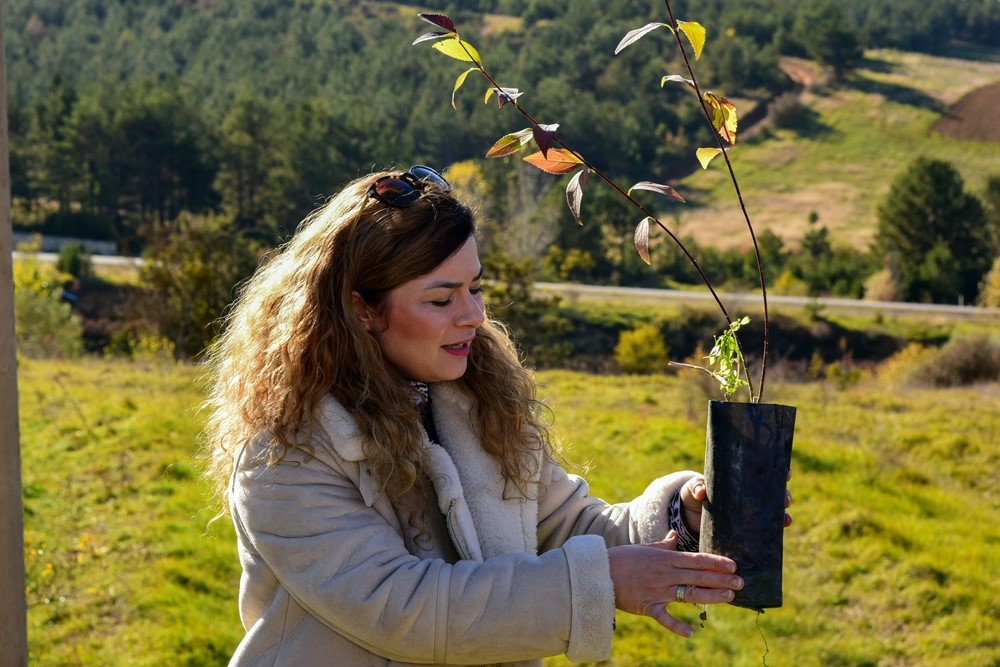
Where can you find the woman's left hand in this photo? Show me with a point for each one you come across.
(693, 495)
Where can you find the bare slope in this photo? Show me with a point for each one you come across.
(976, 116)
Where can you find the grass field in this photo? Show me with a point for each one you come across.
(893, 557)
(839, 163)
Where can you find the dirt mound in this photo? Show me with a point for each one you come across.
(976, 116)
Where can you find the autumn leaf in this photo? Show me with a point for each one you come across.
(427, 36)
(706, 155)
(458, 84)
(544, 136)
(695, 32)
(459, 50)
(440, 20)
(558, 161)
(659, 188)
(574, 193)
(635, 35)
(675, 78)
(723, 116)
(509, 144)
(642, 238)
(504, 95)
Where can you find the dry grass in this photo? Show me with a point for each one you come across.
(841, 163)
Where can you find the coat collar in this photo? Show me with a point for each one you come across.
(461, 469)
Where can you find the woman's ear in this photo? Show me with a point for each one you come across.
(362, 311)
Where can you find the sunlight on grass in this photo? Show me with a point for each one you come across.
(892, 556)
(868, 130)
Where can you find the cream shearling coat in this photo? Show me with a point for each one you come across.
(328, 580)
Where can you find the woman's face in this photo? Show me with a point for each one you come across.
(428, 324)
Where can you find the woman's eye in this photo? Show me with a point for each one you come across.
(476, 290)
(441, 304)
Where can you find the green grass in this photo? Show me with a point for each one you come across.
(892, 558)
(122, 568)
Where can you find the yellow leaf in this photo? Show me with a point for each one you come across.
(723, 116)
(458, 84)
(458, 49)
(706, 155)
(558, 161)
(695, 32)
(509, 144)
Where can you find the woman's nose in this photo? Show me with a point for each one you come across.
(473, 312)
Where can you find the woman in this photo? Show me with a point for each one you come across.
(393, 490)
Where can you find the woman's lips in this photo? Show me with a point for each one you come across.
(459, 349)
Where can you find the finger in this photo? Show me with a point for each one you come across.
(788, 519)
(701, 595)
(668, 543)
(693, 493)
(707, 584)
(702, 562)
(788, 498)
(658, 612)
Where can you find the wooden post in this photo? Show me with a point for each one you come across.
(13, 607)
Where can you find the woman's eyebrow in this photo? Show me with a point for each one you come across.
(448, 284)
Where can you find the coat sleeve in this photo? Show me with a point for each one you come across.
(566, 508)
(309, 527)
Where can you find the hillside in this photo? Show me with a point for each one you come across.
(975, 117)
(849, 142)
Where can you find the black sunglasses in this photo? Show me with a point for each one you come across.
(403, 190)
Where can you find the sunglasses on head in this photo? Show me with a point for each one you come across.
(403, 190)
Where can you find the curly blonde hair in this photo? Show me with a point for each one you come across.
(292, 338)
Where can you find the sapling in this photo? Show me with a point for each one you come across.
(749, 448)
(554, 156)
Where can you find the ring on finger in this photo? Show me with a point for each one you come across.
(681, 592)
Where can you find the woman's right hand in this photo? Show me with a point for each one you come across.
(646, 578)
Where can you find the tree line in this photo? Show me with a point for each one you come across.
(134, 121)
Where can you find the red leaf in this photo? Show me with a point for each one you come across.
(574, 193)
(635, 35)
(557, 161)
(544, 135)
(642, 239)
(658, 188)
(439, 20)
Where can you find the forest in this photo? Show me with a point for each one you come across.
(133, 121)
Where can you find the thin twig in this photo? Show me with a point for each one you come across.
(739, 196)
(616, 187)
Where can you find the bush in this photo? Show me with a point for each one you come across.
(964, 362)
(190, 275)
(75, 260)
(961, 362)
(642, 350)
(989, 293)
(44, 324)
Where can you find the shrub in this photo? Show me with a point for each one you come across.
(963, 362)
(190, 275)
(989, 293)
(642, 350)
(75, 260)
(44, 324)
(787, 111)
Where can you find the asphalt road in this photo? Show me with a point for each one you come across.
(734, 301)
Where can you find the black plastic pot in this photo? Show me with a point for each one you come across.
(748, 451)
